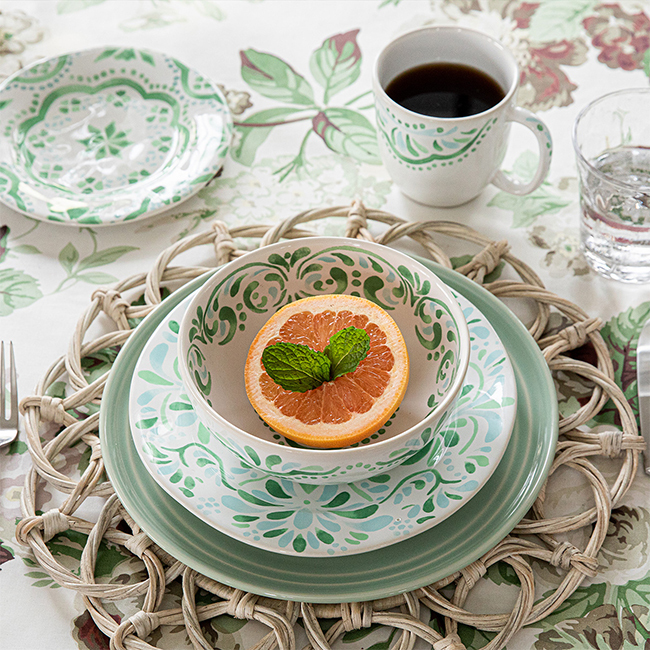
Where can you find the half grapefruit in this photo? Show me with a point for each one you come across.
(346, 410)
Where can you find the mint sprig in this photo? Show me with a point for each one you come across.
(299, 368)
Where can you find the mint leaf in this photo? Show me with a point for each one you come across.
(346, 350)
(295, 366)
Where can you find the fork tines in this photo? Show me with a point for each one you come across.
(12, 418)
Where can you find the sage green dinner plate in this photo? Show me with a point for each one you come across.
(403, 566)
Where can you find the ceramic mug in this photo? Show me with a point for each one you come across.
(443, 161)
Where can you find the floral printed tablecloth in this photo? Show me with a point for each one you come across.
(297, 78)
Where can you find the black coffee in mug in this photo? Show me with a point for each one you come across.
(445, 90)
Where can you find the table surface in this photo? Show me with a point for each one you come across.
(569, 52)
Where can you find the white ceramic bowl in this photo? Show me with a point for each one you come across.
(227, 312)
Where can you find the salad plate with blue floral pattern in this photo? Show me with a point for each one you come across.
(108, 135)
(284, 516)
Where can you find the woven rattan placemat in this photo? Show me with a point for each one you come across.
(537, 538)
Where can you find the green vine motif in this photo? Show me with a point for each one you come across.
(448, 437)
(249, 459)
(212, 319)
(595, 614)
(78, 269)
(429, 146)
(178, 455)
(209, 321)
(431, 450)
(335, 66)
(418, 483)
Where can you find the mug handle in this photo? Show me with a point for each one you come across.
(543, 135)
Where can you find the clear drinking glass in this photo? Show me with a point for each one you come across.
(611, 138)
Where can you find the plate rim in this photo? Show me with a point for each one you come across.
(280, 583)
(219, 158)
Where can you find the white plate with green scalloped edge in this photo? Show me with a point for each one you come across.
(285, 516)
(414, 562)
(108, 135)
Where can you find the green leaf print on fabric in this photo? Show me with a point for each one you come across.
(227, 624)
(209, 8)
(154, 14)
(71, 543)
(335, 66)
(5, 554)
(607, 615)
(634, 592)
(274, 78)
(555, 20)
(17, 447)
(17, 290)
(502, 573)
(525, 209)
(473, 638)
(26, 249)
(76, 268)
(604, 627)
(68, 257)
(68, 6)
(621, 334)
(103, 257)
(578, 604)
(349, 133)
(256, 129)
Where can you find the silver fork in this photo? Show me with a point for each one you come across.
(8, 420)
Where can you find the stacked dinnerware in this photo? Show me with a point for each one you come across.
(215, 486)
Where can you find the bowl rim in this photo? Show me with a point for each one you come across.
(323, 453)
